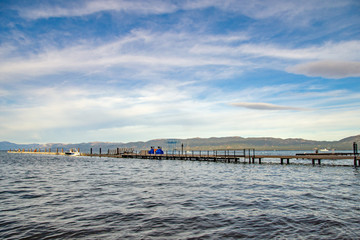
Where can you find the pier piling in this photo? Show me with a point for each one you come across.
(356, 153)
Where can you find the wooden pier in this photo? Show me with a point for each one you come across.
(315, 159)
(229, 156)
(235, 156)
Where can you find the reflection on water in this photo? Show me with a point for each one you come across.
(91, 198)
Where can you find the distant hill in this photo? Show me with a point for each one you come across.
(261, 143)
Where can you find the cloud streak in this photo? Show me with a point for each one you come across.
(257, 9)
(345, 50)
(83, 8)
(265, 106)
(328, 69)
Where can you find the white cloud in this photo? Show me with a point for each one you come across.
(62, 107)
(327, 69)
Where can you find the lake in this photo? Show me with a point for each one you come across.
(62, 197)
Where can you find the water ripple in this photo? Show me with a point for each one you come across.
(47, 197)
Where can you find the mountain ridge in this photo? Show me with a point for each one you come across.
(197, 143)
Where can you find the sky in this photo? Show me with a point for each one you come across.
(122, 71)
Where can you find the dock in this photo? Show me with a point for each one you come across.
(228, 156)
(314, 159)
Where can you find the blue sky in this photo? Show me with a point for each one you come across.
(121, 71)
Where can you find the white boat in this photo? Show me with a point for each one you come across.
(72, 152)
(324, 150)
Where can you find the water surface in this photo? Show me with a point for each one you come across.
(43, 197)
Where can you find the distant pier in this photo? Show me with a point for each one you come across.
(46, 151)
(234, 156)
(229, 156)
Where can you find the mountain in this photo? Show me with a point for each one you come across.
(8, 145)
(261, 143)
(351, 139)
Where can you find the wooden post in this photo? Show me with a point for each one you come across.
(249, 155)
(319, 161)
(100, 151)
(313, 161)
(281, 161)
(90, 151)
(355, 150)
(288, 161)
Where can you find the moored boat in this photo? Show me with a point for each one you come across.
(72, 152)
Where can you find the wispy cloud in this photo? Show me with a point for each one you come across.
(257, 9)
(328, 69)
(157, 50)
(81, 8)
(345, 50)
(265, 106)
(138, 49)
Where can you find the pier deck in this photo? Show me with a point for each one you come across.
(233, 156)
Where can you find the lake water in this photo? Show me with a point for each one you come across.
(60, 197)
